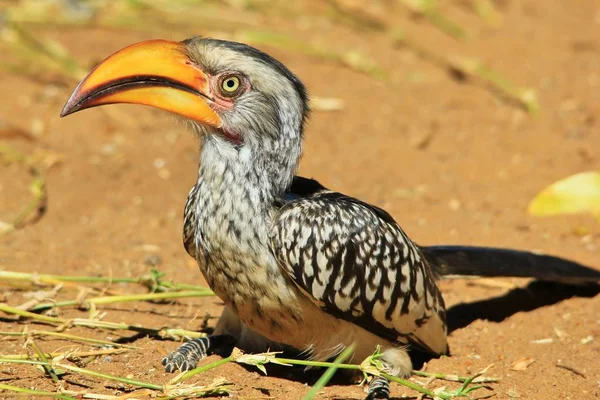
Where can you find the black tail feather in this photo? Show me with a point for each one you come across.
(494, 262)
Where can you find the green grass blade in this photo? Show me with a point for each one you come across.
(16, 389)
(201, 369)
(328, 374)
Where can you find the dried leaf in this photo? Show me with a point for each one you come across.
(579, 193)
(326, 104)
(522, 364)
(258, 360)
(561, 334)
(543, 341)
(219, 386)
(484, 370)
(587, 339)
(5, 228)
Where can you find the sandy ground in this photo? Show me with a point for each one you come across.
(451, 160)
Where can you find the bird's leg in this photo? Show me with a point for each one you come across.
(188, 355)
(397, 363)
(379, 389)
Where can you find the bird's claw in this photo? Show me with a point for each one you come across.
(187, 356)
(379, 389)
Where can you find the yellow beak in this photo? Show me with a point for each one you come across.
(155, 73)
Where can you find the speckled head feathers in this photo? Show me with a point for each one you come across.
(277, 102)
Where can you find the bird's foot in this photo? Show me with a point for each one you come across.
(396, 362)
(188, 355)
(379, 389)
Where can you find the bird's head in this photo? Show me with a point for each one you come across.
(233, 93)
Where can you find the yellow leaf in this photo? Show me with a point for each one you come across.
(522, 364)
(579, 193)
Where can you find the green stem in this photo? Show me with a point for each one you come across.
(12, 310)
(318, 363)
(123, 298)
(412, 386)
(24, 276)
(453, 378)
(327, 375)
(20, 361)
(38, 189)
(69, 337)
(81, 322)
(47, 366)
(133, 382)
(403, 382)
(70, 355)
(17, 389)
(47, 278)
(201, 369)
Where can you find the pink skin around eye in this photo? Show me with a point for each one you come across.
(221, 103)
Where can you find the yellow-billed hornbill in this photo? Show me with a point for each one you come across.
(296, 265)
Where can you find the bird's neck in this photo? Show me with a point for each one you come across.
(229, 210)
(230, 207)
(254, 170)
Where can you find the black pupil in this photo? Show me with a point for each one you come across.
(230, 83)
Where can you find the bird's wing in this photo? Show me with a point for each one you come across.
(353, 260)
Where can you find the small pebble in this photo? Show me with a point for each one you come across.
(153, 260)
(159, 163)
(454, 204)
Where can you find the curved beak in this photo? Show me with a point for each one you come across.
(155, 73)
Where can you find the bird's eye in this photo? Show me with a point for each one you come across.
(230, 85)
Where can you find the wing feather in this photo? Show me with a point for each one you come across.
(355, 262)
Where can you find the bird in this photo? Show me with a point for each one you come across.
(298, 266)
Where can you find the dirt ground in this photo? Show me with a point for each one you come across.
(450, 159)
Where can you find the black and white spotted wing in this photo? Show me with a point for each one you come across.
(354, 261)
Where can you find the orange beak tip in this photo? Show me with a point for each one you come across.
(67, 109)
